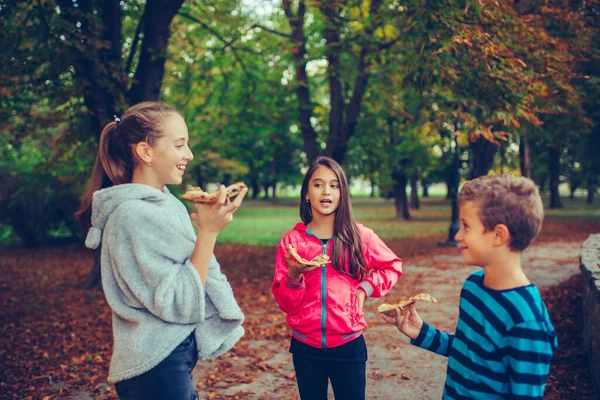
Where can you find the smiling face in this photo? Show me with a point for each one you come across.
(323, 192)
(171, 154)
(476, 244)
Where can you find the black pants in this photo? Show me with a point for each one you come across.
(171, 379)
(346, 369)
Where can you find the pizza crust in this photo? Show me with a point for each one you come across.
(198, 195)
(390, 308)
(317, 261)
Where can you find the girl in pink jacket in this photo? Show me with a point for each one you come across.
(324, 304)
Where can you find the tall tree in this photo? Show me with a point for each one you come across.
(353, 32)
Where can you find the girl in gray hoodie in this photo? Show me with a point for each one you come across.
(171, 305)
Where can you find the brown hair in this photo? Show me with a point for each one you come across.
(509, 200)
(347, 245)
(115, 160)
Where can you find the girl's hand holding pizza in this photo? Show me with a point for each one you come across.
(212, 218)
(295, 269)
(298, 265)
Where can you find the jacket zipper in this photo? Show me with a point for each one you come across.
(324, 299)
(323, 291)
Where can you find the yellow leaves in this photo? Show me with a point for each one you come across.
(386, 32)
(356, 26)
(365, 7)
(354, 13)
(359, 12)
(462, 138)
(320, 112)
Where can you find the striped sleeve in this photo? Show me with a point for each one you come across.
(433, 340)
(529, 347)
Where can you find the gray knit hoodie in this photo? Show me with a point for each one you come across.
(155, 293)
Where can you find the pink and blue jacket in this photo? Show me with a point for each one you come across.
(322, 309)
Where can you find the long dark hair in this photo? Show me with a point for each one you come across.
(115, 159)
(347, 245)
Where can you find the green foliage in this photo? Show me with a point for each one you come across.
(468, 68)
(35, 202)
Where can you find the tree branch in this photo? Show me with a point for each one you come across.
(285, 35)
(136, 40)
(228, 44)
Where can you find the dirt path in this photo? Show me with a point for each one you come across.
(261, 367)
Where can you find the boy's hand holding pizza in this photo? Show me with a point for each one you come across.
(404, 314)
(408, 322)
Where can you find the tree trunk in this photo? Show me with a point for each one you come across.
(400, 197)
(554, 170)
(572, 188)
(591, 189)
(398, 175)
(340, 144)
(524, 156)
(414, 195)
(453, 181)
(305, 108)
(425, 186)
(372, 195)
(336, 98)
(98, 69)
(153, 55)
(343, 120)
(255, 188)
(274, 178)
(483, 152)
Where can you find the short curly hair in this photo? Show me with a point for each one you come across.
(513, 201)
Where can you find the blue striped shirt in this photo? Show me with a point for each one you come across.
(502, 347)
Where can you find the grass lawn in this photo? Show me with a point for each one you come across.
(264, 222)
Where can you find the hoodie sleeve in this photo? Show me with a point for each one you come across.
(385, 267)
(151, 266)
(287, 293)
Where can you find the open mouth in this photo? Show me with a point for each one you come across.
(326, 202)
(181, 167)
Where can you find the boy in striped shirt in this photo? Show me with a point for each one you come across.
(504, 339)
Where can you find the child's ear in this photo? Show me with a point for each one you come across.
(502, 234)
(144, 152)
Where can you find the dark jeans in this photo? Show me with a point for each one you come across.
(169, 380)
(345, 366)
(348, 380)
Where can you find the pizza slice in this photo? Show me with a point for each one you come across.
(389, 309)
(198, 195)
(317, 261)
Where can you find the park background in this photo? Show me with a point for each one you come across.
(411, 97)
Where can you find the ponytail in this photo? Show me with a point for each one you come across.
(115, 159)
(107, 172)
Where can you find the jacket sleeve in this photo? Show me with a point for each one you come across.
(384, 267)
(151, 268)
(287, 293)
